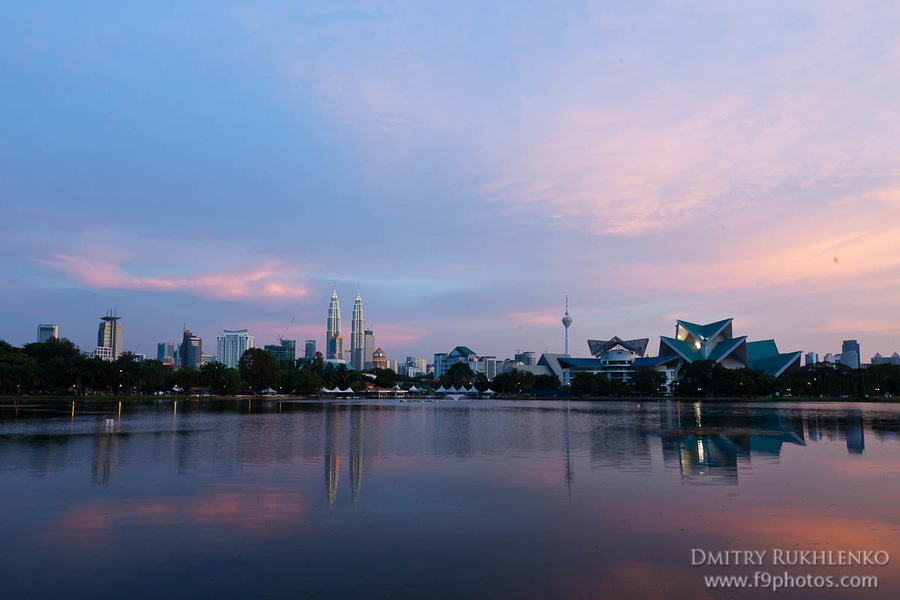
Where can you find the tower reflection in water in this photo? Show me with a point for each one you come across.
(705, 443)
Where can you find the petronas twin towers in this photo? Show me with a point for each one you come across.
(334, 343)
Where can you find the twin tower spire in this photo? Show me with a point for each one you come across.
(334, 343)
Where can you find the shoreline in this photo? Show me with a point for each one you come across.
(67, 400)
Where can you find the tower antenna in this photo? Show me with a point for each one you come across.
(567, 322)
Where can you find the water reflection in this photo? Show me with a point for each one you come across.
(707, 443)
(465, 482)
(332, 452)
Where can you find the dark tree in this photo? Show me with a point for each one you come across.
(385, 378)
(514, 382)
(216, 377)
(547, 383)
(647, 381)
(259, 369)
(457, 375)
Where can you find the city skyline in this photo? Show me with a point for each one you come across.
(333, 325)
(703, 162)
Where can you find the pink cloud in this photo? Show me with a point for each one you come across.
(267, 281)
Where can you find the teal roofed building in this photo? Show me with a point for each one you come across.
(716, 342)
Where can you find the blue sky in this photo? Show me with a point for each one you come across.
(221, 164)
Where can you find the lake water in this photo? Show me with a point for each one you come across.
(486, 499)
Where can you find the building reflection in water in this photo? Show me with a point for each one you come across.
(709, 442)
(106, 457)
(356, 450)
(704, 443)
(333, 417)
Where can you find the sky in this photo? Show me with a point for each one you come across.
(466, 165)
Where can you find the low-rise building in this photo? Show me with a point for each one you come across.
(716, 342)
(893, 359)
(460, 354)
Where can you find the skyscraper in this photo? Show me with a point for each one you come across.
(47, 331)
(191, 351)
(110, 334)
(334, 343)
(567, 322)
(232, 345)
(310, 350)
(370, 348)
(850, 348)
(165, 350)
(357, 336)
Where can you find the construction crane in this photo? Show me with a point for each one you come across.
(284, 333)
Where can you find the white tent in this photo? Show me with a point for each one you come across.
(488, 391)
(474, 390)
(413, 390)
(347, 391)
(269, 391)
(453, 390)
(440, 390)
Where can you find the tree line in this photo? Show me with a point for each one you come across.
(708, 379)
(57, 366)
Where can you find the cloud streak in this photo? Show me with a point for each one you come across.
(260, 283)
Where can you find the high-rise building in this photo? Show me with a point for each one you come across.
(46, 331)
(526, 357)
(232, 345)
(419, 363)
(812, 358)
(440, 364)
(413, 367)
(567, 322)
(379, 359)
(191, 351)
(110, 335)
(164, 351)
(285, 353)
(851, 360)
(370, 348)
(310, 350)
(357, 335)
(334, 343)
